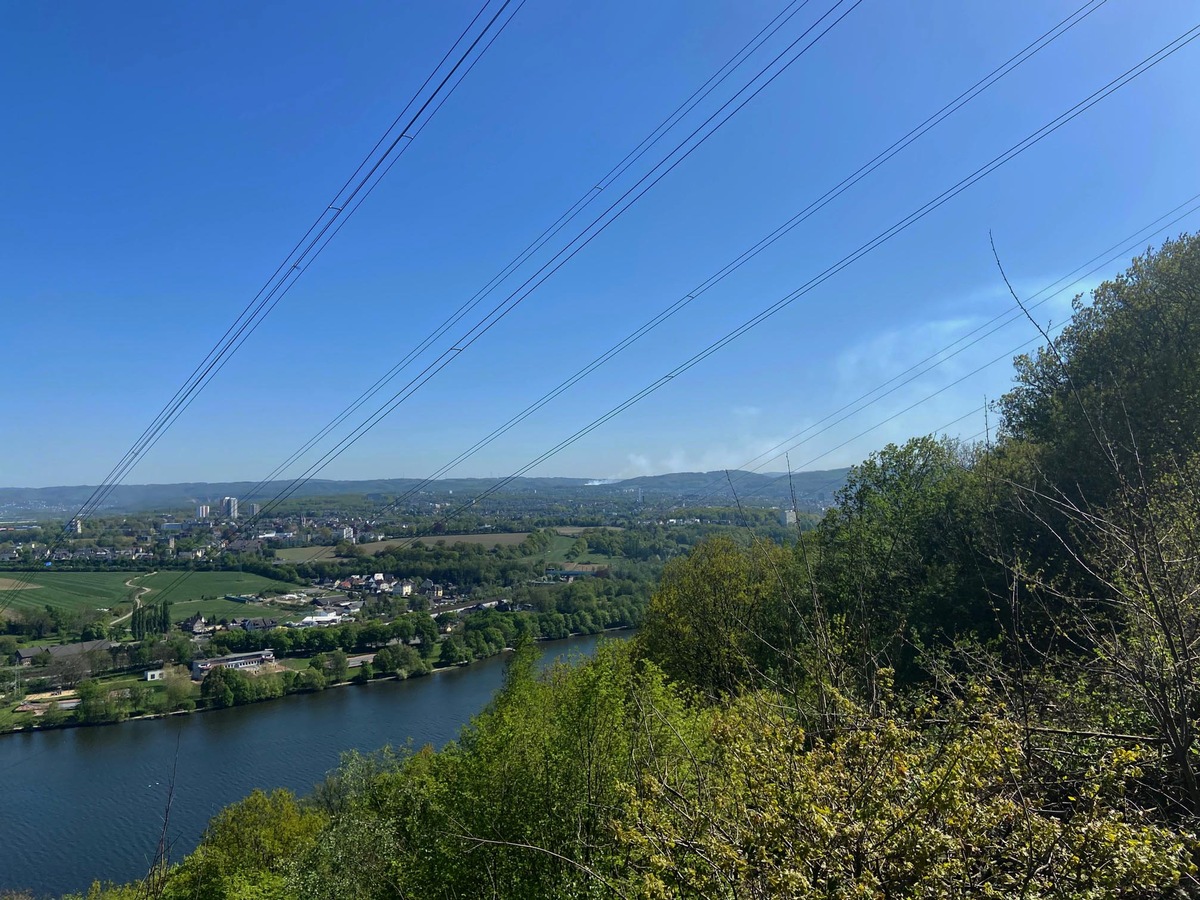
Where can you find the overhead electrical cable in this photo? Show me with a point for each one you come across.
(1030, 141)
(1118, 250)
(730, 107)
(589, 197)
(1034, 138)
(731, 267)
(344, 203)
(1012, 314)
(506, 306)
(1009, 316)
(310, 245)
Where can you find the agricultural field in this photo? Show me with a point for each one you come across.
(201, 592)
(561, 543)
(201, 585)
(72, 591)
(204, 593)
(305, 554)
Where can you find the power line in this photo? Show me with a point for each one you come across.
(572, 212)
(671, 160)
(730, 107)
(506, 306)
(1115, 84)
(1007, 317)
(982, 84)
(344, 203)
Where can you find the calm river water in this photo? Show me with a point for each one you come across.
(85, 803)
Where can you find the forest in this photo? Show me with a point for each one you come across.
(977, 675)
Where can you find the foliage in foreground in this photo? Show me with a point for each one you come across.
(602, 780)
(978, 676)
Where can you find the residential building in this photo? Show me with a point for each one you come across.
(26, 655)
(202, 511)
(229, 507)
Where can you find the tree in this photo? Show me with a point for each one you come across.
(1127, 366)
(337, 666)
(703, 623)
(95, 703)
(246, 849)
(216, 690)
(455, 652)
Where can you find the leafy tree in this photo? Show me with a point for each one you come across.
(337, 666)
(702, 625)
(216, 689)
(455, 652)
(246, 849)
(96, 705)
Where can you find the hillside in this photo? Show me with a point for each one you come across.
(811, 487)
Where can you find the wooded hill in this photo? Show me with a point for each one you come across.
(811, 488)
(978, 676)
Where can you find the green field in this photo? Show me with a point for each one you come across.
(218, 609)
(204, 593)
(561, 543)
(67, 590)
(198, 585)
(504, 539)
(201, 592)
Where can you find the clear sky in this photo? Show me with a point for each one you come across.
(159, 159)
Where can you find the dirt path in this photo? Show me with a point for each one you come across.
(137, 600)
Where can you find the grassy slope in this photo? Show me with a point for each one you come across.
(89, 590)
(70, 590)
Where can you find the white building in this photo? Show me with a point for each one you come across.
(321, 620)
(202, 667)
(229, 506)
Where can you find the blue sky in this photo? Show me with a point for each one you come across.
(160, 160)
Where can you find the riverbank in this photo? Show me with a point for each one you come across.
(73, 723)
(61, 784)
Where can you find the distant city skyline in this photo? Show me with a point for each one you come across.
(213, 140)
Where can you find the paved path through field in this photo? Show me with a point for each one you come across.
(137, 601)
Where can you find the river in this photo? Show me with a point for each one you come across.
(87, 803)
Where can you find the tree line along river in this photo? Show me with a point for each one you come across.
(87, 803)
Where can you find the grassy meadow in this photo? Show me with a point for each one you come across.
(201, 592)
(305, 554)
(71, 591)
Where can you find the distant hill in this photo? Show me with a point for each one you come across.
(140, 497)
(812, 490)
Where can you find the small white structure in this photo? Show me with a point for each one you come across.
(154, 674)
